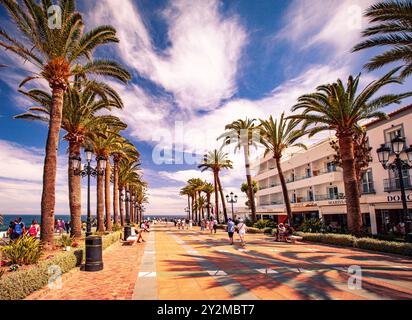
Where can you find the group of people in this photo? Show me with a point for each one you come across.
(61, 226)
(137, 234)
(283, 233)
(17, 229)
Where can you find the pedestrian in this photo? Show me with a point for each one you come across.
(211, 226)
(34, 230)
(207, 225)
(67, 225)
(19, 228)
(241, 230)
(190, 224)
(215, 226)
(230, 230)
(202, 225)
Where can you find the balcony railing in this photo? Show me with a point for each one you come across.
(394, 184)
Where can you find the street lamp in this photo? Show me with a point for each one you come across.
(398, 146)
(88, 171)
(232, 199)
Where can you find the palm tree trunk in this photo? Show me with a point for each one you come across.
(100, 201)
(222, 197)
(75, 192)
(116, 191)
(351, 184)
(109, 225)
(251, 193)
(193, 207)
(284, 191)
(121, 206)
(188, 206)
(126, 203)
(215, 174)
(208, 205)
(48, 199)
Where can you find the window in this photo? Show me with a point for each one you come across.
(367, 185)
(392, 133)
(331, 166)
(294, 199)
(333, 193)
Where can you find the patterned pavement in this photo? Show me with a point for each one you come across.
(190, 265)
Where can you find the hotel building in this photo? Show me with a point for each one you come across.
(316, 188)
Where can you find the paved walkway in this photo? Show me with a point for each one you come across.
(182, 264)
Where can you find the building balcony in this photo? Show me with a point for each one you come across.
(392, 185)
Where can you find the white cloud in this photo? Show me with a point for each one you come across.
(199, 67)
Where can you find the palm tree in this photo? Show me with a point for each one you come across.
(391, 28)
(245, 189)
(101, 145)
(200, 205)
(208, 189)
(334, 107)
(128, 174)
(197, 186)
(79, 120)
(215, 161)
(241, 132)
(277, 136)
(58, 55)
(120, 149)
(187, 191)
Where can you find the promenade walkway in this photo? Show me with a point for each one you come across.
(182, 264)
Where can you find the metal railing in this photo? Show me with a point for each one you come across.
(394, 184)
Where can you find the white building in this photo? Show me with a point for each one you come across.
(316, 186)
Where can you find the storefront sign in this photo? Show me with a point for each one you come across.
(397, 198)
(336, 202)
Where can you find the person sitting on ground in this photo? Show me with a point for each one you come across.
(281, 232)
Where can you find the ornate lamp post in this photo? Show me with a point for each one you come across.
(232, 199)
(88, 171)
(398, 165)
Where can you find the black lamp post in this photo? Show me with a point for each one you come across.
(398, 147)
(88, 171)
(232, 199)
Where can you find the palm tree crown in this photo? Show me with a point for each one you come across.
(392, 28)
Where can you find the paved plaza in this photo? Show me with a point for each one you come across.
(185, 265)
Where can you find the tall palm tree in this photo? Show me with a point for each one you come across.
(120, 149)
(241, 132)
(197, 186)
(208, 189)
(334, 107)
(128, 174)
(277, 136)
(390, 28)
(216, 161)
(187, 191)
(101, 145)
(81, 102)
(201, 205)
(58, 54)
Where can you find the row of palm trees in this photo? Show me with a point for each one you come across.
(63, 57)
(335, 107)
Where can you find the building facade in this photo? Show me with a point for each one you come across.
(316, 187)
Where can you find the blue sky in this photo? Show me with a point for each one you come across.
(196, 65)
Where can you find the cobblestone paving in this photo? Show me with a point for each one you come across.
(188, 264)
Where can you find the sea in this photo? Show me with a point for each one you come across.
(28, 218)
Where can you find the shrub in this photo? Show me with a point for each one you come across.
(384, 246)
(66, 240)
(328, 238)
(21, 283)
(117, 227)
(262, 224)
(268, 231)
(313, 225)
(253, 230)
(23, 251)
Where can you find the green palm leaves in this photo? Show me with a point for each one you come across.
(391, 28)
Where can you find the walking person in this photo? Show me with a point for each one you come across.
(211, 226)
(230, 230)
(215, 226)
(34, 230)
(241, 230)
(19, 228)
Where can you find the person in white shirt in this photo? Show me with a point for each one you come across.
(241, 230)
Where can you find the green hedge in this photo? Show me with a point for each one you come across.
(20, 284)
(361, 243)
